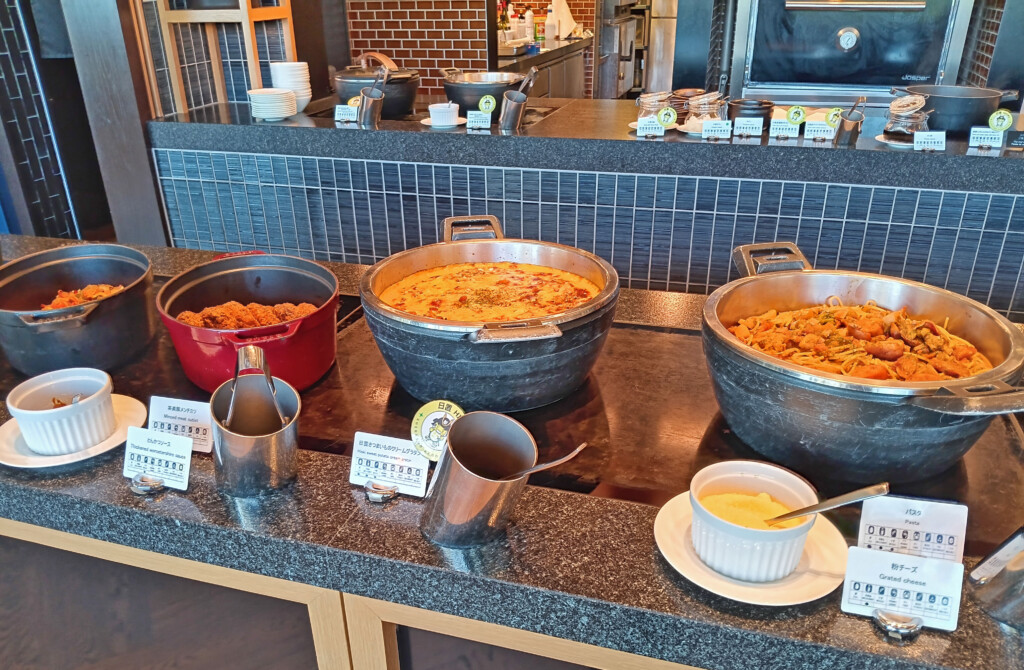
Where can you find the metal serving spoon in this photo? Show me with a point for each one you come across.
(832, 503)
(544, 466)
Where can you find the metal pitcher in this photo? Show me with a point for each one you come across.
(467, 505)
(997, 583)
(255, 429)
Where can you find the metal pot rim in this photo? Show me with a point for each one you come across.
(1001, 372)
(976, 93)
(465, 78)
(609, 292)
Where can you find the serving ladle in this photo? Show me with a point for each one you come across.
(832, 503)
(544, 466)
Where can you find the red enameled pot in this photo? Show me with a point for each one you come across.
(298, 351)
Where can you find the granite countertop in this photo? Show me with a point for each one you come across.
(574, 566)
(552, 51)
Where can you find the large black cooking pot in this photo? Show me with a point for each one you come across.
(502, 367)
(958, 108)
(468, 88)
(99, 334)
(857, 430)
(399, 90)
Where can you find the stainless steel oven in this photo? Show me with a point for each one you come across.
(835, 50)
(617, 39)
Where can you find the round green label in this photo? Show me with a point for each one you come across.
(832, 118)
(1000, 120)
(488, 103)
(667, 116)
(430, 426)
(796, 115)
(353, 101)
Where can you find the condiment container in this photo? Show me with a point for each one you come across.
(52, 431)
(750, 554)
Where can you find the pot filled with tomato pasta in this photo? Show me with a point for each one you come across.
(488, 322)
(863, 376)
(80, 305)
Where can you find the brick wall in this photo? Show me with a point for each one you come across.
(425, 35)
(583, 12)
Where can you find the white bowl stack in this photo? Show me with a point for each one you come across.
(294, 77)
(272, 104)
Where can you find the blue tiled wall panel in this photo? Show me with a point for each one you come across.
(666, 233)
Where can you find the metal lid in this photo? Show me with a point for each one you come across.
(907, 104)
(482, 78)
(368, 74)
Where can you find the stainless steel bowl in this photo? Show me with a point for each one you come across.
(506, 366)
(468, 88)
(861, 430)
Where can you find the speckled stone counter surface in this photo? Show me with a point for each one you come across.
(574, 566)
(583, 135)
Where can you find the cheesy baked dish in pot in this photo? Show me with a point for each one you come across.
(500, 291)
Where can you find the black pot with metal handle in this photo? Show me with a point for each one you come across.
(957, 108)
(399, 89)
(468, 88)
(505, 366)
(101, 334)
(855, 429)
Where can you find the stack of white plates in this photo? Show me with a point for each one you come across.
(294, 77)
(272, 104)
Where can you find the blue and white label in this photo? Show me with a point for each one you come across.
(649, 126)
(783, 128)
(185, 418)
(345, 113)
(747, 127)
(157, 454)
(818, 130)
(983, 136)
(719, 130)
(477, 119)
(930, 140)
(390, 461)
(928, 528)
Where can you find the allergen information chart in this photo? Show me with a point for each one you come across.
(390, 461)
(929, 528)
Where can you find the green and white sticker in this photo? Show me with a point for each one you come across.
(488, 103)
(430, 426)
(796, 115)
(667, 116)
(353, 101)
(1001, 120)
(832, 118)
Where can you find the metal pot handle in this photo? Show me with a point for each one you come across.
(515, 332)
(982, 400)
(46, 321)
(239, 342)
(379, 57)
(486, 227)
(764, 257)
(1009, 95)
(450, 73)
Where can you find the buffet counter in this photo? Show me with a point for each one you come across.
(579, 577)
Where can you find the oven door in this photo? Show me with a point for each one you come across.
(627, 54)
(868, 45)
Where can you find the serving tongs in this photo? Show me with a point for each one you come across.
(253, 409)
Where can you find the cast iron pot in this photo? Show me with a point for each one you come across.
(399, 90)
(467, 88)
(502, 367)
(100, 334)
(958, 108)
(298, 351)
(863, 430)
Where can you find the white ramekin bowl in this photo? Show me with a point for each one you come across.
(443, 114)
(749, 554)
(53, 431)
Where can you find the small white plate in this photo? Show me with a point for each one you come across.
(458, 122)
(821, 569)
(15, 453)
(895, 144)
(674, 126)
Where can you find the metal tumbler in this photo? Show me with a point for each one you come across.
(255, 429)
(371, 102)
(513, 107)
(848, 130)
(467, 504)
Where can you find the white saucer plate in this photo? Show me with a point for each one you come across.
(895, 144)
(15, 453)
(429, 123)
(821, 569)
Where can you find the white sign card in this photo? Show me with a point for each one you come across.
(649, 126)
(930, 140)
(157, 454)
(390, 461)
(477, 119)
(783, 128)
(928, 588)
(186, 418)
(718, 129)
(818, 130)
(747, 127)
(345, 113)
(928, 528)
(982, 136)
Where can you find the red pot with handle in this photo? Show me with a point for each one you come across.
(298, 351)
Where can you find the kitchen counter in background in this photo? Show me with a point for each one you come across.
(579, 567)
(557, 50)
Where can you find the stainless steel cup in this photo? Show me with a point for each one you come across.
(513, 107)
(467, 505)
(256, 454)
(371, 102)
(848, 129)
